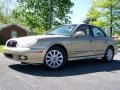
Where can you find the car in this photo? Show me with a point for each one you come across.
(62, 44)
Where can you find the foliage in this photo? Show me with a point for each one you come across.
(35, 13)
(105, 13)
(118, 43)
(2, 18)
(1, 40)
(87, 21)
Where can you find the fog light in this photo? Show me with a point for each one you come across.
(21, 57)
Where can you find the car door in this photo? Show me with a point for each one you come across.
(99, 41)
(82, 45)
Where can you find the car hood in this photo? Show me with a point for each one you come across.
(30, 40)
(38, 37)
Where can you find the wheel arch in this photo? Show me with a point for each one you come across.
(64, 61)
(111, 46)
(59, 45)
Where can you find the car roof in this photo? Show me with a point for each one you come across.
(78, 24)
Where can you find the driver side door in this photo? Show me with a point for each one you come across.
(82, 46)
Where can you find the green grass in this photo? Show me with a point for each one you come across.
(1, 48)
(118, 45)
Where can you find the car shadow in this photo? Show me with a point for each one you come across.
(71, 69)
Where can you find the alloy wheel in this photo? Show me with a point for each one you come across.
(109, 54)
(54, 58)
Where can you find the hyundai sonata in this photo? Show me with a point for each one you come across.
(61, 44)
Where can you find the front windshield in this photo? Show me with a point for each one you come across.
(62, 30)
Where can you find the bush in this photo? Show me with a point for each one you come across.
(1, 40)
(118, 43)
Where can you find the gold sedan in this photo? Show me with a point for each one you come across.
(61, 44)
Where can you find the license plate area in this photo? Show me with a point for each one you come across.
(15, 57)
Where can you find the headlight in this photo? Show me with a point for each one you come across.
(27, 43)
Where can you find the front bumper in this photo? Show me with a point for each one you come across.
(30, 55)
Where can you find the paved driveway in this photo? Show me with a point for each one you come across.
(80, 75)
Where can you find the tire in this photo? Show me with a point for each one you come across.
(55, 58)
(109, 54)
(24, 63)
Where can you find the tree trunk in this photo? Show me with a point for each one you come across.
(111, 20)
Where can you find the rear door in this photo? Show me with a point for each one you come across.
(99, 41)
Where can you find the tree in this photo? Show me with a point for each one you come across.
(3, 19)
(105, 13)
(87, 21)
(5, 16)
(36, 12)
(116, 14)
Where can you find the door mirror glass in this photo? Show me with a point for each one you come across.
(79, 34)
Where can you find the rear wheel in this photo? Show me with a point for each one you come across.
(109, 54)
(55, 58)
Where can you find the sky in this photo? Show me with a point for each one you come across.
(80, 10)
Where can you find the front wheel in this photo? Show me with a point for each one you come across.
(24, 63)
(55, 58)
(109, 54)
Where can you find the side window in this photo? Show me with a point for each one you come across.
(97, 32)
(85, 30)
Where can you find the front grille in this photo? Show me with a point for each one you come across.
(12, 43)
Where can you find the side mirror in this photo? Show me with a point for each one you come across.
(78, 34)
